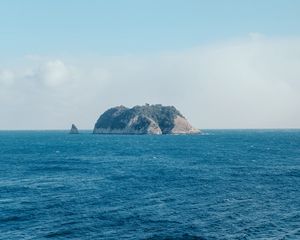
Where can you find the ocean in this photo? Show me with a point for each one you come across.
(223, 184)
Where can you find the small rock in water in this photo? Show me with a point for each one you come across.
(74, 129)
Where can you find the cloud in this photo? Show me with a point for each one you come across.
(250, 82)
(256, 35)
(54, 73)
(6, 78)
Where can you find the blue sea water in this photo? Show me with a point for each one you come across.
(241, 184)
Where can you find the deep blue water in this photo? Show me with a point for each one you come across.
(220, 185)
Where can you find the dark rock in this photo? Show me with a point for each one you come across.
(74, 129)
(147, 119)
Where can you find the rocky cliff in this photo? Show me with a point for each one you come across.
(147, 119)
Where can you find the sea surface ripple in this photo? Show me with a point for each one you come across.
(241, 184)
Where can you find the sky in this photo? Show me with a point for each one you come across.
(223, 64)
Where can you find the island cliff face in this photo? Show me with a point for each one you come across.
(147, 119)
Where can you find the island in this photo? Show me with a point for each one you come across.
(147, 119)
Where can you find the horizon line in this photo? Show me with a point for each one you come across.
(202, 129)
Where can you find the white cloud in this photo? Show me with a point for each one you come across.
(256, 35)
(6, 77)
(54, 73)
(246, 83)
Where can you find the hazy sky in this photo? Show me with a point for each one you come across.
(223, 64)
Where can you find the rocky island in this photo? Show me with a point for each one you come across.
(147, 119)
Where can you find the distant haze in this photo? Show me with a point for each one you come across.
(245, 80)
(246, 83)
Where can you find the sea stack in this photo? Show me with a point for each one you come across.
(74, 129)
(147, 119)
